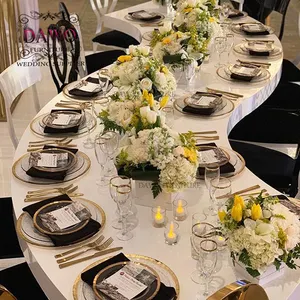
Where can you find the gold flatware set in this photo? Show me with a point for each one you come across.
(243, 191)
(230, 95)
(38, 145)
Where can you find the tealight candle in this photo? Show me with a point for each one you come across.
(221, 241)
(179, 210)
(158, 216)
(171, 233)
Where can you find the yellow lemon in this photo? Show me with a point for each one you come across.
(256, 212)
(237, 212)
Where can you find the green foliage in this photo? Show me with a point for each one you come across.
(290, 257)
(252, 272)
(282, 238)
(108, 124)
(279, 216)
(277, 263)
(156, 189)
(245, 258)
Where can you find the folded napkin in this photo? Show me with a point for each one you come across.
(63, 240)
(156, 17)
(256, 53)
(235, 14)
(241, 78)
(63, 130)
(164, 293)
(81, 92)
(266, 32)
(227, 168)
(199, 111)
(59, 175)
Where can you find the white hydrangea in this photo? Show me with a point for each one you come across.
(177, 175)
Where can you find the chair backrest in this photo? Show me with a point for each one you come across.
(241, 4)
(100, 8)
(281, 7)
(65, 35)
(5, 294)
(13, 81)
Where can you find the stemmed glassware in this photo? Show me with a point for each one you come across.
(229, 43)
(109, 144)
(102, 160)
(212, 172)
(89, 122)
(123, 200)
(190, 70)
(220, 47)
(169, 112)
(208, 255)
(224, 11)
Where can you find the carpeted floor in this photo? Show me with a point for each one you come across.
(291, 39)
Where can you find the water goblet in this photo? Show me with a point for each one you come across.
(190, 70)
(169, 114)
(229, 43)
(89, 123)
(123, 200)
(208, 255)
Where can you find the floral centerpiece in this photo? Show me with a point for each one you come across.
(160, 155)
(261, 232)
(144, 86)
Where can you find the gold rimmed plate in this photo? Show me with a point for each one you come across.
(76, 119)
(219, 154)
(28, 232)
(62, 164)
(149, 293)
(243, 49)
(37, 127)
(21, 165)
(83, 291)
(224, 108)
(238, 29)
(224, 73)
(39, 220)
(128, 17)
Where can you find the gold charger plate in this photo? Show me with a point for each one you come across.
(19, 172)
(57, 204)
(31, 235)
(111, 269)
(82, 291)
(37, 129)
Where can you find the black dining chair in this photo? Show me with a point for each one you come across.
(273, 167)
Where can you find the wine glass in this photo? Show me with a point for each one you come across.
(190, 71)
(102, 160)
(89, 123)
(123, 200)
(208, 255)
(229, 43)
(169, 113)
(224, 11)
(109, 144)
(220, 47)
(211, 172)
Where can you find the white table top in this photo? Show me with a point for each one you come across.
(148, 240)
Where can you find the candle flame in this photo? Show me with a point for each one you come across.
(158, 215)
(171, 233)
(179, 208)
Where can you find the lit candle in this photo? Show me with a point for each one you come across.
(159, 217)
(180, 211)
(221, 241)
(171, 236)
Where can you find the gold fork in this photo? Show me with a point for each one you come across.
(48, 190)
(65, 142)
(49, 140)
(103, 246)
(91, 244)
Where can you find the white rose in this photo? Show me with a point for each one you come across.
(264, 229)
(132, 50)
(266, 214)
(144, 111)
(178, 151)
(151, 116)
(145, 50)
(166, 28)
(146, 84)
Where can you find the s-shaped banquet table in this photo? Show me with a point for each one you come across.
(57, 283)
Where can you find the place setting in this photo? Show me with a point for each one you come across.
(49, 164)
(127, 276)
(252, 29)
(259, 48)
(204, 104)
(145, 18)
(243, 72)
(224, 161)
(60, 220)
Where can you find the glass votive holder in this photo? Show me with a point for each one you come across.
(171, 233)
(180, 210)
(198, 218)
(158, 216)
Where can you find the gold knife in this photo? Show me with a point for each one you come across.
(97, 254)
